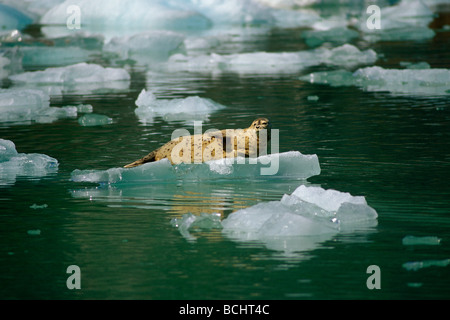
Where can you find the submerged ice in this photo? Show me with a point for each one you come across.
(291, 164)
(31, 165)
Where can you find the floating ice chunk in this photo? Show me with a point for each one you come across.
(146, 47)
(84, 108)
(272, 63)
(35, 232)
(92, 119)
(298, 222)
(116, 17)
(73, 74)
(292, 164)
(174, 109)
(418, 65)
(417, 265)
(313, 98)
(412, 241)
(397, 81)
(10, 18)
(54, 56)
(13, 164)
(28, 105)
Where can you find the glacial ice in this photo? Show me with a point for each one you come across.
(31, 165)
(185, 109)
(146, 47)
(18, 106)
(112, 18)
(298, 222)
(396, 81)
(291, 164)
(347, 56)
(407, 20)
(73, 74)
(11, 18)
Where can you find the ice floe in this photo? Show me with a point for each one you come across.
(77, 73)
(82, 78)
(31, 165)
(183, 109)
(396, 81)
(347, 56)
(428, 240)
(19, 106)
(291, 164)
(298, 222)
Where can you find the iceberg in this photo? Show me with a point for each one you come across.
(298, 222)
(112, 18)
(338, 35)
(428, 240)
(190, 108)
(292, 165)
(11, 18)
(347, 56)
(14, 164)
(18, 106)
(397, 81)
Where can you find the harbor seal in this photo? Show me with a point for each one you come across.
(227, 143)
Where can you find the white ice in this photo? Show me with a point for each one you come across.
(18, 106)
(427, 240)
(183, 109)
(347, 56)
(292, 164)
(73, 74)
(396, 81)
(31, 165)
(81, 78)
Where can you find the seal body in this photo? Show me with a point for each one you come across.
(227, 143)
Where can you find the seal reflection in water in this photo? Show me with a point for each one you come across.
(227, 143)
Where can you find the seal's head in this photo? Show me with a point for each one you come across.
(261, 123)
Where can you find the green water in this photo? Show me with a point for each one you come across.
(394, 150)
